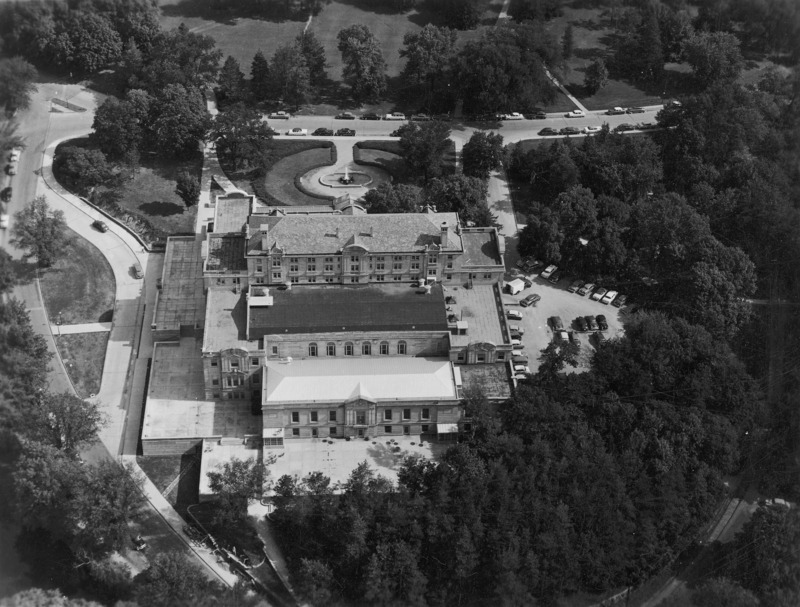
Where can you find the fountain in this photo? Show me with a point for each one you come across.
(346, 179)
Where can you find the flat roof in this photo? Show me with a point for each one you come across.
(226, 253)
(481, 307)
(181, 300)
(372, 307)
(165, 419)
(374, 379)
(226, 320)
(231, 213)
(480, 248)
(492, 380)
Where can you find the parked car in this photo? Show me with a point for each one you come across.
(512, 116)
(556, 323)
(602, 322)
(421, 118)
(515, 336)
(536, 115)
(137, 270)
(345, 132)
(555, 277)
(570, 130)
(4, 221)
(522, 369)
(297, 131)
(608, 297)
(5, 195)
(580, 322)
(516, 343)
(646, 126)
(323, 132)
(621, 128)
(520, 376)
(591, 130)
(573, 339)
(516, 329)
(587, 288)
(519, 359)
(14, 155)
(619, 301)
(548, 131)
(548, 271)
(575, 286)
(100, 226)
(527, 281)
(575, 114)
(635, 110)
(561, 336)
(532, 265)
(370, 116)
(11, 169)
(514, 314)
(592, 322)
(598, 294)
(345, 116)
(529, 300)
(615, 111)
(280, 115)
(395, 116)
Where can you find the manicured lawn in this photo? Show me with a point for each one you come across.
(163, 470)
(79, 287)
(83, 355)
(383, 154)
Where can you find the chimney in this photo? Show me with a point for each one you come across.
(264, 229)
(372, 230)
(443, 237)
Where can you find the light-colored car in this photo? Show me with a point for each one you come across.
(591, 130)
(280, 115)
(608, 297)
(14, 155)
(297, 131)
(514, 314)
(520, 376)
(522, 369)
(512, 116)
(395, 116)
(575, 114)
(515, 343)
(548, 271)
(517, 353)
(561, 336)
(4, 221)
(599, 293)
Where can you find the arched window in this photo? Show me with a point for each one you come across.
(348, 348)
(366, 348)
(384, 347)
(331, 348)
(401, 347)
(312, 349)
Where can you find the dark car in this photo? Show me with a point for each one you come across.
(528, 283)
(421, 118)
(5, 195)
(370, 116)
(529, 300)
(323, 132)
(573, 339)
(345, 116)
(624, 127)
(602, 323)
(619, 301)
(548, 131)
(575, 286)
(615, 111)
(635, 110)
(646, 126)
(590, 320)
(515, 335)
(555, 277)
(580, 322)
(345, 133)
(570, 130)
(100, 225)
(536, 116)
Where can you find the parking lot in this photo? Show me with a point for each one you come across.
(557, 301)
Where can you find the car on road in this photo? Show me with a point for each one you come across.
(511, 116)
(619, 301)
(575, 286)
(646, 126)
(621, 128)
(280, 115)
(517, 343)
(580, 323)
(538, 115)
(635, 110)
(587, 288)
(4, 221)
(555, 277)
(602, 323)
(608, 297)
(547, 131)
(592, 322)
(522, 369)
(615, 111)
(5, 195)
(297, 131)
(598, 293)
(570, 130)
(529, 300)
(100, 226)
(345, 116)
(345, 132)
(575, 114)
(556, 323)
(322, 132)
(548, 271)
(370, 116)
(395, 116)
(514, 314)
(591, 130)
(421, 118)
(573, 339)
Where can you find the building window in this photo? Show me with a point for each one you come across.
(329, 267)
(361, 419)
(331, 416)
(366, 348)
(406, 430)
(314, 416)
(348, 348)
(213, 363)
(401, 347)
(295, 417)
(449, 265)
(406, 414)
(384, 347)
(234, 364)
(294, 260)
(449, 277)
(216, 394)
(424, 428)
(415, 265)
(397, 265)
(432, 259)
(330, 279)
(354, 267)
(276, 276)
(387, 414)
(397, 278)
(314, 433)
(259, 268)
(311, 265)
(331, 348)
(387, 429)
(274, 350)
(380, 278)
(276, 262)
(294, 279)
(380, 265)
(432, 271)
(312, 279)
(426, 413)
(214, 382)
(295, 431)
(354, 279)
(333, 431)
(256, 379)
(312, 349)
(487, 275)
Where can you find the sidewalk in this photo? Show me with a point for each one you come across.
(564, 90)
(89, 327)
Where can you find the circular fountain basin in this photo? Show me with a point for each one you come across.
(353, 179)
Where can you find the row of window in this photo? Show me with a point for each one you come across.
(355, 261)
(350, 348)
(333, 431)
(361, 416)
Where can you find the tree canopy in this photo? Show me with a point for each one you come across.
(424, 145)
(17, 83)
(40, 231)
(364, 66)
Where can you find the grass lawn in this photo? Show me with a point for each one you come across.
(83, 355)
(383, 154)
(79, 287)
(163, 470)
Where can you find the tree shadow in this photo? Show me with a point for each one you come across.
(24, 271)
(588, 24)
(373, 6)
(422, 16)
(202, 9)
(589, 53)
(106, 316)
(159, 208)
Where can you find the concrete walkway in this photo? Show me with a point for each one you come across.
(89, 327)
(564, 90)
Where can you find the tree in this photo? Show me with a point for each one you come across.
(316, 582)
(482, 154)
(542, 235)
(460, 14)
(171, 579)
(230, 82)
(424, 145)
(260, 81)
(596, 76)
(720, 592)
(241, 135)
(393, 198)
(460, 194)
(364, 67)
(17, 83)
(39, 230)
(64, 421)
(119, 126)
(188, 188)
(81, 169)
(314, 54)
(568, 42)
(88, 43)
(8, 278)
(714, 57)
(36, 597)
(236, 483)
(428, 54)
(179, 121)
(291, 78)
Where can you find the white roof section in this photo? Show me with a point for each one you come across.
(346, 379)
